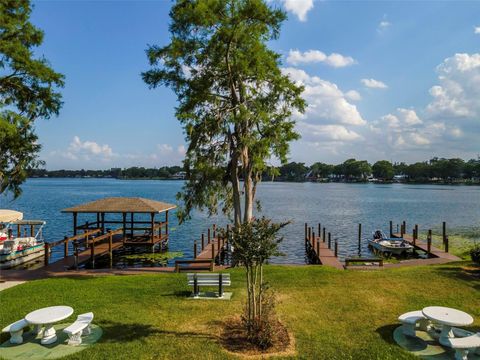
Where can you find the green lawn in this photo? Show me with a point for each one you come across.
(332, 314)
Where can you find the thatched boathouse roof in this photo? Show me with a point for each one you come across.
(121, 205)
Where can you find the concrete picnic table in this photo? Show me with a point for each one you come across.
(447, 317)
(47, 317)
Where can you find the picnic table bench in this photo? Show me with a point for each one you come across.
(216, 279)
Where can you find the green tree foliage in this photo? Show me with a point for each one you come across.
(293, 171)
(235, 104)
(27, 92)
(383, 169)
(321, 170)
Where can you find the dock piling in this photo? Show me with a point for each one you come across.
(203, 241)
(195, 249)
(416, 235)
(306, 233)
(47, 251)
(444, 232)
(323, 237)
(391, 228)
(65, 246)
(329, 240)
(429, 241)
(336, 248)
(359, 239)
(446, 243)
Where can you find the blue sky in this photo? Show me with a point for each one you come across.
(384, 80)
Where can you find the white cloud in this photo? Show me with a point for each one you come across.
(409, 116)
(88, 148)
(296, 57)
(326, 102)
(299, 7)
(315, 133)
(418, 139)
(374, 84)
(458, 92)
(353, 95)
(476, 29)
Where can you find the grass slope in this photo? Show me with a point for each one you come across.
(332, 314)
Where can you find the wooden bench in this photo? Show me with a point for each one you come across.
(80, 327)
(194, 265)
(348, 261)
(197, 280)
(463, 345)
(16, 330)
(410, 320)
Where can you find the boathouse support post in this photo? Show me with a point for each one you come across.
(152, 227)
(47, 251)
(110, 248)
(429, 241)
(329, 241)
(391, 228)
(74, 223)
(319, 229)
(203, 241)
(323, 237)
(124, 221)
(195, 249)
(103, 222)
(336, 248)
(65, 246)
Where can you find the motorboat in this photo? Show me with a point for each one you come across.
(26, 246)
(384, 244)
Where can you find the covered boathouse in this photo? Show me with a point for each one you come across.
(142, 221)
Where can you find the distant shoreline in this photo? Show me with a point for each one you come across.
(456, 183)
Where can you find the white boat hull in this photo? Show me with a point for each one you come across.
(20, 257)
(385, 248)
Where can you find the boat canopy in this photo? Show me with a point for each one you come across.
(7, 216)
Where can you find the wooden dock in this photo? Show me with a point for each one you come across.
(320, 247)
(427, 247)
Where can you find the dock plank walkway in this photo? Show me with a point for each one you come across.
(422, 245)
(325, 255)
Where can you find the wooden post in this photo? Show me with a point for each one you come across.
(444, 232)
(446, 243)
(75, 254)
(65, 246)
(329, 241)
(313, 240)
(218, 245)
(429, 242)
(110, 253)
(124, 220)
(359, 239)
(152, 227)
(391, 228)
(103, 222)
(318, 250)
(310, 234)
(47, 251)
(306, 233)
(214, 231)
(195, 249)
(131, 226)
(336, 248)
(203, 241)
(31, 231)
(323, 237)
(92, 252)
(416, 235)
(319, 230)
(74, 223)
(208, 235)
(213, 250)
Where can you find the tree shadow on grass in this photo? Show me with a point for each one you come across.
(179, 293)
(469, 274)
(120, 332)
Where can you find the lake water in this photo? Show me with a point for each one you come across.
(339, 207)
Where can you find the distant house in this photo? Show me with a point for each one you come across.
(181, 175)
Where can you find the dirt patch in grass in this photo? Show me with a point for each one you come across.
(234, 341)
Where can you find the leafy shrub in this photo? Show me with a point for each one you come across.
(475, 253)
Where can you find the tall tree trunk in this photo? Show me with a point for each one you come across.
(237, 208)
